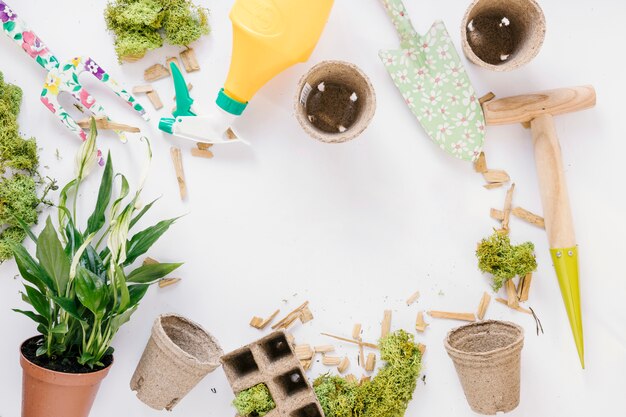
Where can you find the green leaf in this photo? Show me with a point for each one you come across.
(74, 238)
(141, 213)
(137, 292)
(25, 226)
(38, 301)
(97, 218)
(143, 241)
(41, 350)
(52, 257)
(122, 290)
(34, 317)
(93, 261)
(119, 320)
(69, 306)
(60, 328)
(91, 291)
(148, 274)
(30, 270)
(63, 212)
(124, 189)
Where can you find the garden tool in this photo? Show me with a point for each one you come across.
(187, 124)
(428, 72)
(538, 111)
(63, 77)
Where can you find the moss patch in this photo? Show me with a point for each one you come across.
(143, 25)
(18, 166)
(504, 261)
(387, 395)
(255, 401)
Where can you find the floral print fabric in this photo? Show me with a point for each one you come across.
(428, 72)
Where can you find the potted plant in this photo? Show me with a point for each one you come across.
(82, 289)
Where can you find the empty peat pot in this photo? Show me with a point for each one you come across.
(335, 101)
(502, 35)
(486, 356)
(178, 355)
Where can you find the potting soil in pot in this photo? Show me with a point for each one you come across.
(493, 37)
(332, 107)
(65, 365)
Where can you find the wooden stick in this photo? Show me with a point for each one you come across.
(496, 214)
(452, 315)
(508, 203)
(529, 217)
(199, 153)
(511, 294)
(303, 352)
(356, 331)
(290, 318)
(483, 305)
(343, 365)
(142, 89)
(421, 348)
(155, 99)
(177, 159)
(351, 378)
(356, 342)
(306, 364)
(496, 176)
(306, 315)
(166, 282)
(260, 323)
(370, 364)
(324, 348)
(524, 286)
(480, 165)
(105, 124)
(230, 134)
(361, 353)
(155, 72)
(203, 146)
(189, 60)
(150, 261)
(518, 308)
(493, 185)
(385, 327)
(487, 97)
(413, 298)
(331, 360)
(420, 324)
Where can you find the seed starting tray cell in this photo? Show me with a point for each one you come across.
(272, 361)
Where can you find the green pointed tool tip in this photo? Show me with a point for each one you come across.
(566, 266)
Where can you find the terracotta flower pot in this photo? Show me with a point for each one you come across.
(178, 355)
(47, 393)
(487, 356)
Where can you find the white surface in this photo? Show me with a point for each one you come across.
(356, 228)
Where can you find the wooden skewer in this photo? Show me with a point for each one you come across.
(356, 342)
(413, 298)
(291, 317)
(524, 286)
(166, 282)
(105, 124)
(452, 315)
(529, 217)
(156, 72)
(511, 294)
(177, 159)
(482, 307)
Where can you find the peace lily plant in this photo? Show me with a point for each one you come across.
(80, 283)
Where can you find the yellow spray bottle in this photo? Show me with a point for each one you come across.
(269, 36)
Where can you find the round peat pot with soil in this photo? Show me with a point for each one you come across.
(335, 102)
(502, 35)
(486, 356)
(66, 390)
(178, 355)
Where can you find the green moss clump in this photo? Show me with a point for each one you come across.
(143, 25)
(504, 261)
(255, 401)
(18, 166)
(387, 395)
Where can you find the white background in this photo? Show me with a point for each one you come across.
(354, 228)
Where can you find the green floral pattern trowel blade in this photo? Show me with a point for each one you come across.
(428, 72)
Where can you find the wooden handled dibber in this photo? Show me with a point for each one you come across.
(538, 111)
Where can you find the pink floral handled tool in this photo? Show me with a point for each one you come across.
(63, 76)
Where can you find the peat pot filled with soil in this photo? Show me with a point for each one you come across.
(57, 388)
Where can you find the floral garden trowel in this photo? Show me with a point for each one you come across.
(428, 72)
(63, 77)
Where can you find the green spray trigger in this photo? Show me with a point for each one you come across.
(183, 99)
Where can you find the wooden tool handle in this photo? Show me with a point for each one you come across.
(524, 108)
(556, 206)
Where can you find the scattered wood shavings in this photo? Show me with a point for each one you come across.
(171, 59)
(331, 360)
(166, 282)
(356, 342)
(103, 123)
(529, 217)
(306, 315)
(190, 61)
(343, 365)
(413, 298)
(155, 99)
(420, 324)
(452, 315)
(385, 327)
(523, 288)
(493, 185)
(518, 308)
(496, 214)
(496, 176)
(487, 97)
(351, 378)
(155, 72)
(480, 165)
(364, 379)
(230, 135)
(203, 146)
(260, 323)
(142, 89)
(177, 159)
(508, 204)
(421, 348)
(511, 294)
(324, 349)
(356, 331)
(290, 318)
(201, 153)
(150, 261)
(361, 353)
(303, 352)
(306, 365)
(483, 305)
(370, 363)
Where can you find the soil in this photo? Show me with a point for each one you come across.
(492, 38)
(65, 365)
(332, 109)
